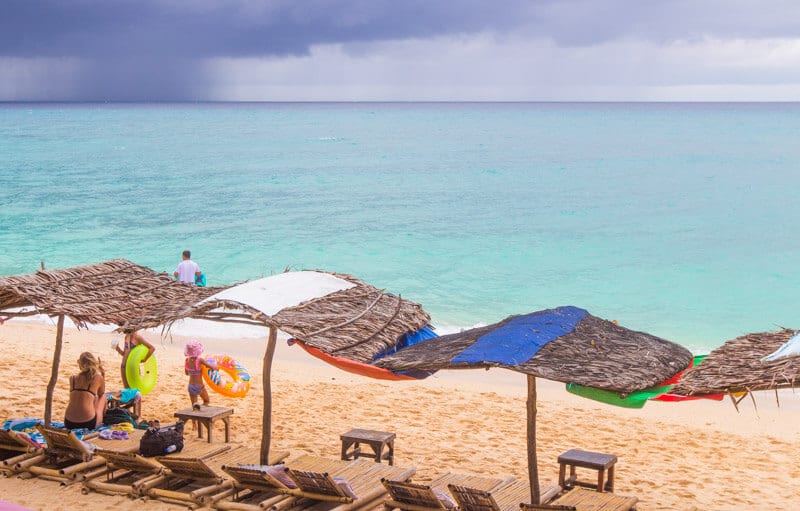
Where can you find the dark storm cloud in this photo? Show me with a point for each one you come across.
(237, 28)
(157, 49)
(246, 28)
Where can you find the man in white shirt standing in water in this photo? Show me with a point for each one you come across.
(187, 270)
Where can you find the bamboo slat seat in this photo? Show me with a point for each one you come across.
(423, 497)
(255, 489)
(128, 471)
(506, 498)
(68, 459)
(582, 499)
(316, 490)
(12, 441)
(14, 449)
(195, 481)
(546, 507)
(364, 477)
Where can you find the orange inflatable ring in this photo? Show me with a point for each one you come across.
(230, 378)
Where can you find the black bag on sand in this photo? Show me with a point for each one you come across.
(159, 441)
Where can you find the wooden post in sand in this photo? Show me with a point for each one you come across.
(533, 467)
(51, 386)
(266, 421)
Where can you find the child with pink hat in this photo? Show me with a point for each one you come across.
(193, 367)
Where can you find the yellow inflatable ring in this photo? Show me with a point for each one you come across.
(140, 375)
(229, 379)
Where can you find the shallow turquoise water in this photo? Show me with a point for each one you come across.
(676, 219)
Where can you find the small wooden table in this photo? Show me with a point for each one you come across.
(588, 500)
(377, 440)
(206, 416)
(593, 460)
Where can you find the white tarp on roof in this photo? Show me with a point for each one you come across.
(790, 348)
(271, 294)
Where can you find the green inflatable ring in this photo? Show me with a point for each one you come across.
(140, 375)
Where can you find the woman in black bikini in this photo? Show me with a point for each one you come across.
(87, 394)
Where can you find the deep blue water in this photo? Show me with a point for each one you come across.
(676, 219)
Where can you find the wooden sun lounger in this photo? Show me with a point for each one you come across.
(12, 441)
(422, 497)
(581, 499)
(68, 459)
(506, 498)
(546, 507)
(14, 449)
(128, 471)
(199, 482)
(254, 489)
(318, 492)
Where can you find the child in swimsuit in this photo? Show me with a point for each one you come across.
(193, 367)
(131, 340)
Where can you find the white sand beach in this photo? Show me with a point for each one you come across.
(671, 455)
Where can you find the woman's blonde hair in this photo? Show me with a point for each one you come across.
(90, 365)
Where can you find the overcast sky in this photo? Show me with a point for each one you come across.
(400, 50)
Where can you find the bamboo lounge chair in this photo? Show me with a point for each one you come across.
(128, 471)
(255, 489)
(429, 497)
(316, 488)
(548, 507)
(364, 477)
(14, 448)
(198, 482)
(580, 499)
(506, 498)
(68, 459)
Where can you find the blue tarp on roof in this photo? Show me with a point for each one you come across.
(521, 338)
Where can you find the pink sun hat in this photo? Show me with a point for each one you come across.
(194, 348)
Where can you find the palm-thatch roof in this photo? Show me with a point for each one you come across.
(116, 292)
(564, 344)
(597, 353)
(337, 313)
(356, 322)
(736, 366)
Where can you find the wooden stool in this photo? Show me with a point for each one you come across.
(206, 416)
(377, 440)
(593, 460)
(133, 407)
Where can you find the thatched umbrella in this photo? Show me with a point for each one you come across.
(113, 293)
(738, 366)
(335, 310)
(565, 344)
(338, 311)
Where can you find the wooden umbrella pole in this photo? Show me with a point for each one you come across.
(266, 422)
(533, 467)
(51, 385)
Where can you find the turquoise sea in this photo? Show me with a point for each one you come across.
(676, 219)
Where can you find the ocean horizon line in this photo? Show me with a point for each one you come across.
(390, 102)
